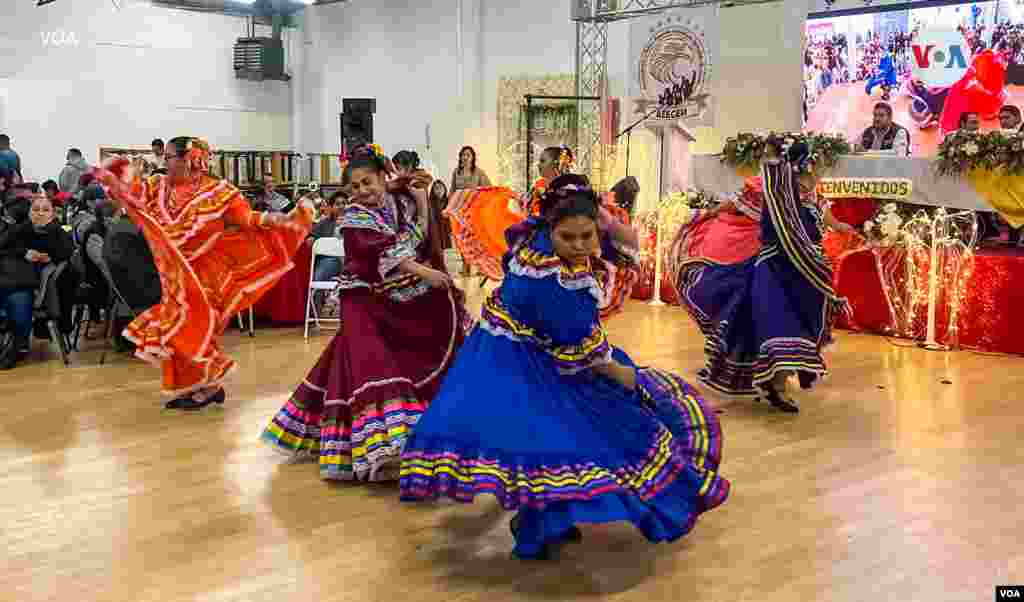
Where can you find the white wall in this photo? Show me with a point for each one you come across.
(424, 68)
(402, 54)
(136, 74)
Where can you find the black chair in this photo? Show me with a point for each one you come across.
(47, 309)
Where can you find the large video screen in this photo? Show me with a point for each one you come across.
(854, 61)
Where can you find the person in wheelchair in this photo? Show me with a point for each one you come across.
(31, 241)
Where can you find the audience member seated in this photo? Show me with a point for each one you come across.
(132, 268)
(884, 134)
(30, 239)
(270, 200)
(328, 268)
(970, 122)
(94, 289)
(18, 277)
(83, 215)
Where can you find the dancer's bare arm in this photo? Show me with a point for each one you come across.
(625, 375)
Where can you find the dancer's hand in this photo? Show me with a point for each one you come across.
(420, 180)
(34, 256)
(845, 228)
(117, 165)
(624, 375)
(436, 278)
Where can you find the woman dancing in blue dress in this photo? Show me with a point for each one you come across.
(768, 317)
(541, 411)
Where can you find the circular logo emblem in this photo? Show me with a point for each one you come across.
(673, 69)
(939, 57)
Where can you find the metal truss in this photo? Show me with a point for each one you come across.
(591, 80)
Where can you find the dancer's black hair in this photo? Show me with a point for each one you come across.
(625, 192)
(365, 157)
(180, 145)
(568, 195)
(406, 159)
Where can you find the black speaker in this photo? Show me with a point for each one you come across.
(359, 105)
(356, 129)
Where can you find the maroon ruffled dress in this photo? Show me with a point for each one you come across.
(358, 405)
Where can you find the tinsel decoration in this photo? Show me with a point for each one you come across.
(904, 250)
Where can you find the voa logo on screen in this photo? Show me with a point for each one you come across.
(940, 57)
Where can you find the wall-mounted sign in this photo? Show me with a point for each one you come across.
(889, 189)
(672, 54)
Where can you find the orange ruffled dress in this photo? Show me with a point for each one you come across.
(215, 258)
(479, 218)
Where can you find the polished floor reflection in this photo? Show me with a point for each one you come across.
(902, 479)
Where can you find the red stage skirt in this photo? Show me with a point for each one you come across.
(286, 302)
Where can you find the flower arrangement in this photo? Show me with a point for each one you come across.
(747, 149)
(961, 152)
(678, 208)
(892, 221)
(886, 225)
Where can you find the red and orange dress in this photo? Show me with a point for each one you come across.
(480, 218)
(216, 257)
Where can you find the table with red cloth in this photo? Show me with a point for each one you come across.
(286, 302)
(992, 291)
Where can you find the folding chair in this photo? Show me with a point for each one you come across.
(252, 322)
(322, 247)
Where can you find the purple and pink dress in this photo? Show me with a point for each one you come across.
(762, 296)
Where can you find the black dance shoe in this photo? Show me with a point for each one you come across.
(807, 379)
(190, 404)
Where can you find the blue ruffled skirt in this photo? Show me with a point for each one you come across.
(563, 449)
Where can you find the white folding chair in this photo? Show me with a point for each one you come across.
(322, 247)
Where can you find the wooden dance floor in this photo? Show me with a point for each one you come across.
(902, 479)
(845, 108)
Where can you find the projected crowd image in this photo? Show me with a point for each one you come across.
(853, 62)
